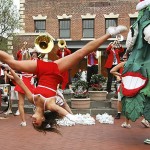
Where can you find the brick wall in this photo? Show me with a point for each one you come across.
(52, 8)
(76, 8)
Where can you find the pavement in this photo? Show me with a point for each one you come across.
(78, 137)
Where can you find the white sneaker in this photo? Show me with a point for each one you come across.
(8, 112)
(23, 124)
(145, 123)
(116, 30)
(17, 113)
(147, 141)
(125, 125)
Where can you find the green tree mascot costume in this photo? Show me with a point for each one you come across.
(136, 75)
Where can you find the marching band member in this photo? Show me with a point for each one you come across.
(92, 65)
(113, 58)
(63, 51)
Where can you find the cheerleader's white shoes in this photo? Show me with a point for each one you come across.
(23, 124)
(116, 30)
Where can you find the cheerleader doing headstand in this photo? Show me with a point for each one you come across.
(45, 95)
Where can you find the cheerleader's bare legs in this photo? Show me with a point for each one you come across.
(21, 98)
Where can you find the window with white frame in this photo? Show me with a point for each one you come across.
(88, 28)
(64, 28)
(110, 22)
(132, 20)
(88, 24)
(40, 25)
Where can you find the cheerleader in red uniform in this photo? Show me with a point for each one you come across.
(27, 78)
(46, 96)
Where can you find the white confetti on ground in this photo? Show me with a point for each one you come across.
(83, 119)
(105, 118)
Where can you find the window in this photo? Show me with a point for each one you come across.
(132, 20)
(64, 28)
(88, 28)
(40, 25)
(110, 22)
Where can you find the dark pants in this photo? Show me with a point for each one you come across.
(90, 71)
(110, 79)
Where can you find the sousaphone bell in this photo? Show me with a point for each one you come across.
(44, 43)
(61, 43)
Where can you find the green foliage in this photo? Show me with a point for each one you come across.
(3, 44)
(146, 112)
(146, 89)
(80, 89)
(132, 107)
(96, 82)
(9, 18)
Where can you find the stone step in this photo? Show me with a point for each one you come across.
(67, 97)
(28, 108)
(26, 102)
(95, 111)
(96, 104)
(97, 107)
(99, 104)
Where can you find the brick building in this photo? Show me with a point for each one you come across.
(77, 22)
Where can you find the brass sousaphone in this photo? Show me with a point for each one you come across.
(44, 43)
(62, 43)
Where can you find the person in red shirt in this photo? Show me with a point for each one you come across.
(63, 52)
(92, 65)
(21, 53)
(113, 58)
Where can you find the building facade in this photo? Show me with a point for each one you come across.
(78, 22)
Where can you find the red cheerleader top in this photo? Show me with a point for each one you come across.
(48, 76)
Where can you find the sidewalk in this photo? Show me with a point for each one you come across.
(79, 137)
